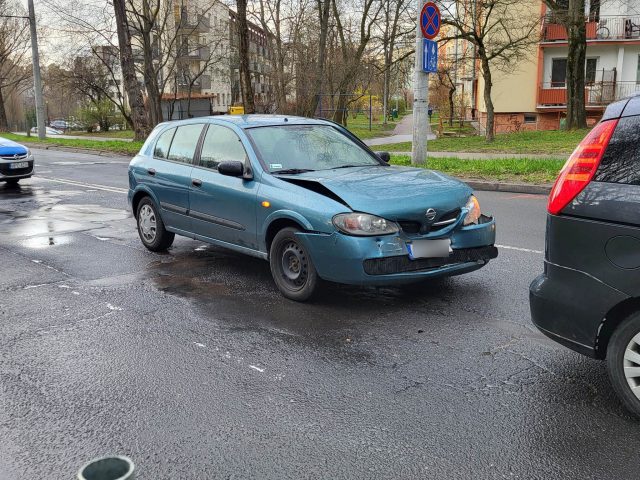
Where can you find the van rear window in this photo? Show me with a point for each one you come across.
(621, 160)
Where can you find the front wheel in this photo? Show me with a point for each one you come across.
(150, 227)
(623, 362)
(12, 181)
(291, 266)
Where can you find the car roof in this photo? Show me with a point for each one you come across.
(256, 120)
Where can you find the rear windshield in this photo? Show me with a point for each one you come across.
(621, 160)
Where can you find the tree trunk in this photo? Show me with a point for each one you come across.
(139, 117)
(576, 58)
(385, 95)
(4, 123)
(486, 75)
(245, 75)
(324, 7)
(452, 92)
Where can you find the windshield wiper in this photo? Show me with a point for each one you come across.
(292, 171)
(350, 166)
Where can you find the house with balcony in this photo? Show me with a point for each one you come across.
(612, 69)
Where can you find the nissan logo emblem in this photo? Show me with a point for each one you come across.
(430, 214)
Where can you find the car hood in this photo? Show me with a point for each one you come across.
(8, 147)
(396, 193)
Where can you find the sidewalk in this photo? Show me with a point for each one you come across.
(402, 133)
(78, 137)
(487, 155)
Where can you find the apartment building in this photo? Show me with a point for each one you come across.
(533, 96)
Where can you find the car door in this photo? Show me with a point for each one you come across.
(170, 171)
(222, 207)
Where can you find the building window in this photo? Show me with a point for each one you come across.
(558, 72)
(530, 118)
(638, 71)
(590, 72)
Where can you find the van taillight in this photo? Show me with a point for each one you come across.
(581, 166)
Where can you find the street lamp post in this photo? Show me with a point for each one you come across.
(37, 79)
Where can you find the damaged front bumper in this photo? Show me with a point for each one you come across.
(385, 260)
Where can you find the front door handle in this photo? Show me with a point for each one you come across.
(151, 171)
(196, 182)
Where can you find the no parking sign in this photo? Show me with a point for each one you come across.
(430, 20)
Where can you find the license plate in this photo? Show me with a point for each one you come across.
(429, 248)
(14, 166)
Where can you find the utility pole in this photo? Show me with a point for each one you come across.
(420, 100)
(37, 80)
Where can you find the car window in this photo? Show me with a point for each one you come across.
(621, 160)
(220, 144)
(163, 143)
(185, 142)
(310, 147)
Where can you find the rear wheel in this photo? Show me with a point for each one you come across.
(623, 362)
(150, 227)
(291, 266)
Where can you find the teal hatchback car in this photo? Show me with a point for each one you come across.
(309, 197)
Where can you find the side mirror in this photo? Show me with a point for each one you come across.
(231, 168)
(384, 156)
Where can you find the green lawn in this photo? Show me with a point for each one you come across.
(128, 134)
(115, 146)
(359, 126)
(544, 142)
(504, 170)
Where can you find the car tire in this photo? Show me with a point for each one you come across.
(621, 354)
(291, 266)
(12, 182)
(151, 229)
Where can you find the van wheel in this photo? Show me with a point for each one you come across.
(623, 362)
(291, 266)
(150, 227)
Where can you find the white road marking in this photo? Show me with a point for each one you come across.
(257, 369)
(519, 249)
(105, 188)
(111, 307)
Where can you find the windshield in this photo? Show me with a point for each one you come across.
(299, 148)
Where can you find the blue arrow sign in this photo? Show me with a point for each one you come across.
(429, 56)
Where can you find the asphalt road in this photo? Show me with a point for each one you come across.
(193, 365)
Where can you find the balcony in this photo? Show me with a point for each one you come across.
(189, 24)
(596, 95)
(194, 53)
(600, 28)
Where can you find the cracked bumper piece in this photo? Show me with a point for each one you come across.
(569, 306)
(385, 260)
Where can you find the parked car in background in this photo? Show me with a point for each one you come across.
(588, 297)
(59, 124)
(309, 197)
(16, 162)
(49, 131)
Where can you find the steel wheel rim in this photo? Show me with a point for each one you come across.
(294, 265)
(631, 364)
(147, 223)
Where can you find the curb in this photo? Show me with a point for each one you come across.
(101, 153)
(488, 186)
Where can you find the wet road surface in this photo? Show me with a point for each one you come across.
(192, 364)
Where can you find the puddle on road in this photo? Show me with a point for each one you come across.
(31, 212)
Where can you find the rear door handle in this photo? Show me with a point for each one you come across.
(196, 182)
(151, 171)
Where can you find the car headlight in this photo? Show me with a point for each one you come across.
(363, 224)
(473, 214)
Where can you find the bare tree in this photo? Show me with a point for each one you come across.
(246, 88)
(14, 45)
(138, 118)
(571, 14)
(502, 32)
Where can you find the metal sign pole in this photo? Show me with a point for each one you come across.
(420, 99)
(37, 80)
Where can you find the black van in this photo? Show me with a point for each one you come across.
(588, 297)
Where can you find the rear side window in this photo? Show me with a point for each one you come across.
(164, 142)
(221, 144)
(621, 161)
(184, 143)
